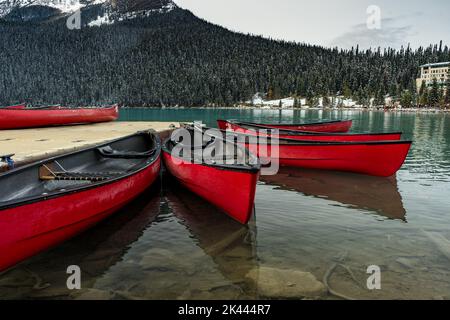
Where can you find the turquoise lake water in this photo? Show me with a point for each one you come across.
(170, 244)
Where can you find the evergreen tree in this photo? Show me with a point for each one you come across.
(447, 90)
(423, 100)
(310, 98)
(315, 102)
(422, 89)
(434, 95)
(379, 99)
(177, 59)
(296, 102)
(347, 92)
(270, 95)
(406, 99)
(326, 101)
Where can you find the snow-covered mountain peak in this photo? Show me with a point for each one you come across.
(70, 6)
(64, 6)
(120, 10)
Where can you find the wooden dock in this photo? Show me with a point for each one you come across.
(30, 145)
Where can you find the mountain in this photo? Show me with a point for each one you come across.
(151, 53)
(95, 12)
(37, 10)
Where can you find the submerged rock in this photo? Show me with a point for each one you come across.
(286, 284)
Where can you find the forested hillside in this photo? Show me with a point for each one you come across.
(176, 58)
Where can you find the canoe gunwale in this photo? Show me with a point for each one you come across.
(33, 199)
(308, 133)
(48, 108)
(292, 142)
(294, 124)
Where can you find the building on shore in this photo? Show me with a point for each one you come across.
(431, 71)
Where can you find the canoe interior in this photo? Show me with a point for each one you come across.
(254, 127)
(297, 124)
(76, 171)
(212, 150)
(252, 139)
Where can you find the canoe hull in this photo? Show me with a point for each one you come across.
(382, 159)
(331, 127)
(19, 119)
(337, 137)
(46, 223)
(231, 191)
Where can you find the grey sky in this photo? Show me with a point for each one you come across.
(340, 23)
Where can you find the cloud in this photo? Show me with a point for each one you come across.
(390, 35)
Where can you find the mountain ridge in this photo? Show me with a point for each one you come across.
(177, 58)
(108, 11)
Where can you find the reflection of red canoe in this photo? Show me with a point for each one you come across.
(49, 201)
(99, 248)
(231, 188)
(14, 118)
(312, 136)
(328, 126)
(217, 235)
(375, 194)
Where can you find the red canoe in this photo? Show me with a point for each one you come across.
(338, 126)
(16, 107)
(380, 158)
(375, 194)
(13, 118)
(312, 136)
(230, 187)
(47, 202)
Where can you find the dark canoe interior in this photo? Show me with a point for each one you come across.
(249, 126)
(79, 170)
(212, 151)
(297, 124)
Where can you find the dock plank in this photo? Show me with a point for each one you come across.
(31, 145)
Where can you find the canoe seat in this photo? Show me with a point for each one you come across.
(80, 176)
(109, 152)
(48, 172)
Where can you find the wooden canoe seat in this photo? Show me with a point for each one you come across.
(49, 172)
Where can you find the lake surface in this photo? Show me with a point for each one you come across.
(170, 244)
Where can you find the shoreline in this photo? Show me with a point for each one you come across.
(393, 110)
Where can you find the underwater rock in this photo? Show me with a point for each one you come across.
(286, 284)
